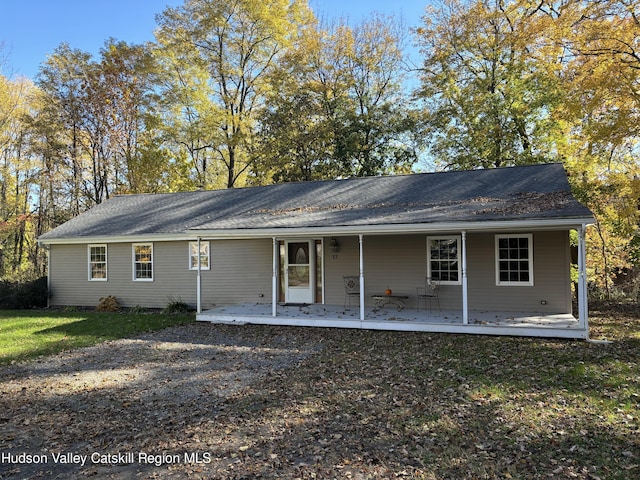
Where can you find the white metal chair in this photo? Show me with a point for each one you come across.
(351, 289)
(428, 292)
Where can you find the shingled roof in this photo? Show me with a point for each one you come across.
(536, 192)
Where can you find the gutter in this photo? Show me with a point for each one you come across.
(336, 230)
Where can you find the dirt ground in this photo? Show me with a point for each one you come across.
(136, 407)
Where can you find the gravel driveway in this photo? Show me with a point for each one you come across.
(136, 407)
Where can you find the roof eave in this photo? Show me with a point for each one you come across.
(337, 230)
(146, 237)
(389, 229)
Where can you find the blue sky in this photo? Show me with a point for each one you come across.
(31, 29)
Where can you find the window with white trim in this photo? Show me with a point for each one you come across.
(143, 262)
(97, 255)
(204, 255)
(443, 259)
(514, 260)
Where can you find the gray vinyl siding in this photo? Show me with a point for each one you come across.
(552, 281)
(394, 261)
(400, 263)
(240, 271)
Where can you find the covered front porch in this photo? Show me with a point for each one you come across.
(407, 319)
(308, 282)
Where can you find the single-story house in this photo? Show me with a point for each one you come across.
(494, 244)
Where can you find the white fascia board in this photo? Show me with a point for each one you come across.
(119, 239)
(494, 226)
(389, 229)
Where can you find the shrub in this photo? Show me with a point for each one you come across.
(108, 304)
(176, 306)
(25, 295)
(137, 309)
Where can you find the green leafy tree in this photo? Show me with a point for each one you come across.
(233, 46)
(337, 107)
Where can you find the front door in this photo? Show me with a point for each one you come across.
(299, 272)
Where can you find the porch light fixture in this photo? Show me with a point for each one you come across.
(333, 245)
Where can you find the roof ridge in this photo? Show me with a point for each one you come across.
(348, 179)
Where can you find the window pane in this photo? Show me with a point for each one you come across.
(98, 254)
(514, 259)
(98, 262)
(143, 253)
(143, 270)
(204, 255)
(443, 259)
(299, 253)
(143, 258)
(99, 270)
(298, 276)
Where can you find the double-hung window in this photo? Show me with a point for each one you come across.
(204, 255)
(514, 260)
(143, 262)
(443, 254)
(97, 262)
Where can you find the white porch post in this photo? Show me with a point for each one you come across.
(361, 279)
(274, 280)
(199, 281)
(465, 297)
(583, 315)
(47, 248)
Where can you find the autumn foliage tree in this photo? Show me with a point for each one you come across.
(601, 41)
(240, 92)
(511, 82)
(487, 99)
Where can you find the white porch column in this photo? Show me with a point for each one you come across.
(465, 297)
(274, 280)
(47, 248)
(361, 279)
(583, 311)
(199, 281)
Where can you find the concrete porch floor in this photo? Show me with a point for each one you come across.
(407, 319)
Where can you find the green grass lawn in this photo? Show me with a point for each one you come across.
(26, 334)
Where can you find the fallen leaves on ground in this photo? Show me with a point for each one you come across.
(235, 402)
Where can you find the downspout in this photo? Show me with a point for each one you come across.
(361, 280)
(274, 280)
(465, 294)
(199, 281)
